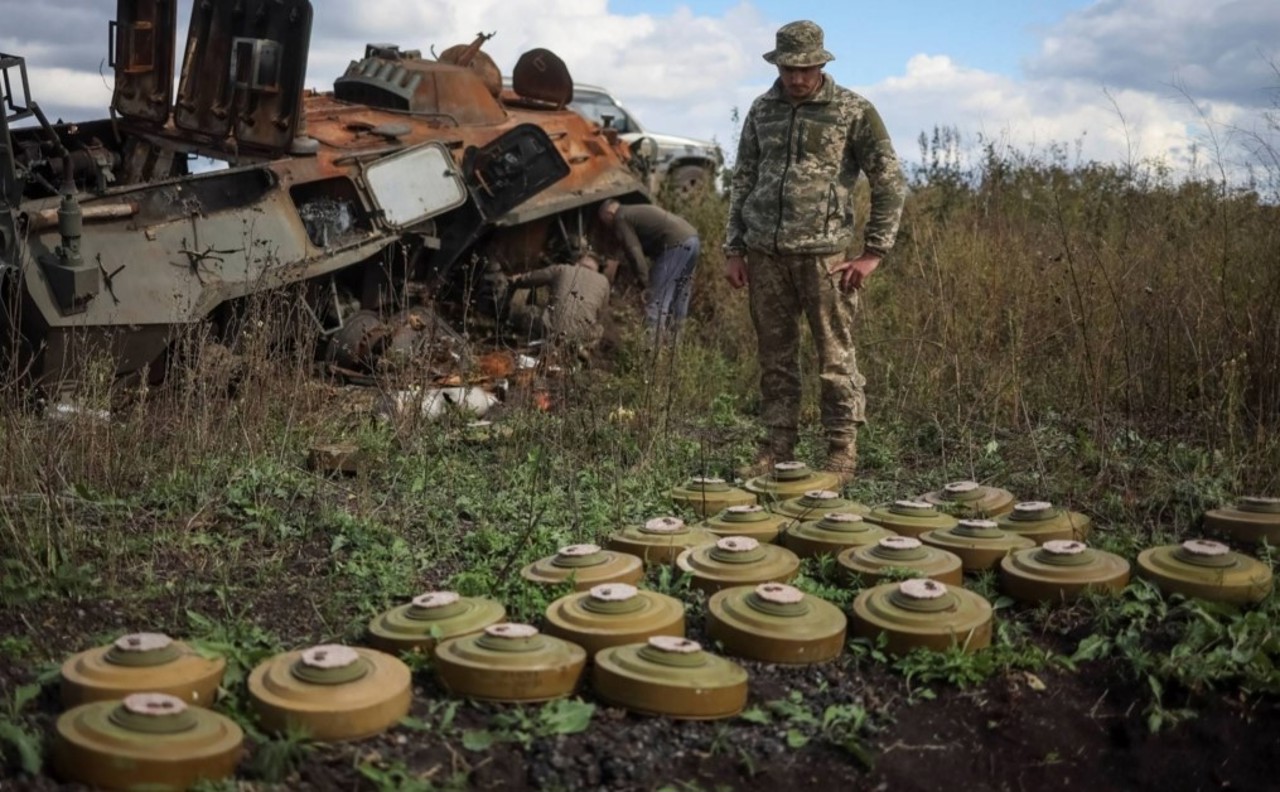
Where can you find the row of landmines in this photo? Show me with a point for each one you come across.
(130, 723)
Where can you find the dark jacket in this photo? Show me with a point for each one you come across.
(646, 231)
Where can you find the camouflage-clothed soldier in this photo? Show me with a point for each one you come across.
(803, 145)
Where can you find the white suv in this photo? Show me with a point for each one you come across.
(690, 165)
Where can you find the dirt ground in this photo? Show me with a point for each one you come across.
(1056, 730)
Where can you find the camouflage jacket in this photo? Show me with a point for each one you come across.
(792, 188)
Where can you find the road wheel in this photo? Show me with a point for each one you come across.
(689, 181)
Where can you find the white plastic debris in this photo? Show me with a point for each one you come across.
(65, 411)
(435, 402)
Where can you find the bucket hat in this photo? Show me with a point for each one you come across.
(799, 45)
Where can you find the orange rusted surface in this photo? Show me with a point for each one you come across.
(496, 364)
(453, 105)
(462, 113)
(393, 100)
(351, 188)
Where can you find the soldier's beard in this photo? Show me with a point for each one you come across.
(799, 90)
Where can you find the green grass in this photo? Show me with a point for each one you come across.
(21, 745)
(1182, 650)
(843, 726)
(1010, 339)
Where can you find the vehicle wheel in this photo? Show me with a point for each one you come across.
(689, 181)
(358, 343)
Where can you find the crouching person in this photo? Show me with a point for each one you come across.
(572, 316)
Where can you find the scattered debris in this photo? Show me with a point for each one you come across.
(435, 402)
(66, 411)
(335, 458)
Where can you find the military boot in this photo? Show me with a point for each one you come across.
(778, 447)
(842, 458)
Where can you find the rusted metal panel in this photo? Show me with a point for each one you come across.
(443, 93)
(542, 76)
(243, 71)
(142, 41)
(298, 203)
(205, 90)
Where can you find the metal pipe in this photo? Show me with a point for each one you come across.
(48, 218)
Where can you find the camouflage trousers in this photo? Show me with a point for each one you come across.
(781, 290)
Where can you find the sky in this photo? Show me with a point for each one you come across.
(1185, 83)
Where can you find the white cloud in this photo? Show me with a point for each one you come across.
(1101, 77)
(681, 53)
(70, 94)
(1030, 115)
(683, 73)
(1219, 50)
(678, 73)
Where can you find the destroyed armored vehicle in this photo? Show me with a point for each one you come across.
(384, 196)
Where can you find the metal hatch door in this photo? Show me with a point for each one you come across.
(541, 75)
(243, 71)
(15, 105)
(140, 44)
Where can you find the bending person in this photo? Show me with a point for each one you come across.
(649, 232)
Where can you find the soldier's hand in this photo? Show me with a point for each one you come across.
(853, 273)
(735, 271)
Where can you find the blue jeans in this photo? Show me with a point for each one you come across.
(670, 287)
